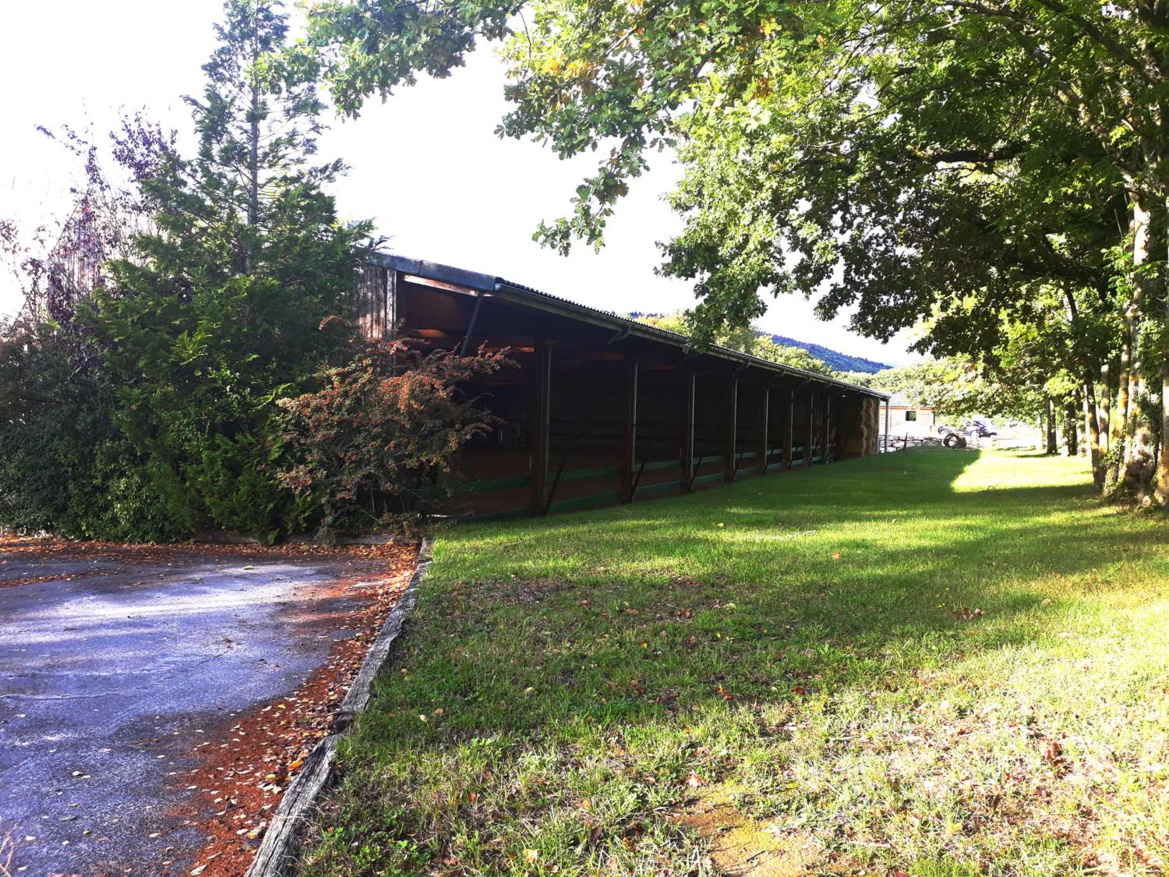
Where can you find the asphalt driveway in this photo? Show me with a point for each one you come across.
(114, 675)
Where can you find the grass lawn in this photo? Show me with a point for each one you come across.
(928, 663)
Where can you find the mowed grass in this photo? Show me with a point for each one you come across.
(932, 663)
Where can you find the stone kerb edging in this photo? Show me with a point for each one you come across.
(278, 851)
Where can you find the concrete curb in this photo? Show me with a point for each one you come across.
(278, 851)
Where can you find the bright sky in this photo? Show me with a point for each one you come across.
(426, 166)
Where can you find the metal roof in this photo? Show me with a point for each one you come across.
(526, 295)
(900, 400)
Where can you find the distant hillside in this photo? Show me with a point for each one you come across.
(834, 359)
(842, 362)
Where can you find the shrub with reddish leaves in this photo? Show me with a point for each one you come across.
(376, 445)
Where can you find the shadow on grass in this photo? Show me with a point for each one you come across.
(833, 577)
(559, 637)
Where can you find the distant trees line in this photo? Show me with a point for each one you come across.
(954, 387)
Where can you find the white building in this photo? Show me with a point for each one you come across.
(905, 419)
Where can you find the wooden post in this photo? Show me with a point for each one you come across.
(766, 410)
(690, 381)
(732, 461)
(396, 303)
(542, 428)
(827, 427)
(790, 432)
(888, 420)
(629, 447)
(811, 432)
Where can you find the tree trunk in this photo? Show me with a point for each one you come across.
(1118, 418)
(1102, 411)
(1052, 444)
(1161, 479)
(254, 158)
(1140, 459)
(1071, 435)
(1092, 424)
(1140, 451)
(254, 128)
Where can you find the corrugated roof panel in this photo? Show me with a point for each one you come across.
(519, 292)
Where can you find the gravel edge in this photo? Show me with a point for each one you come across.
(277, 853)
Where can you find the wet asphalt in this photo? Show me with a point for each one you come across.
(110, 679)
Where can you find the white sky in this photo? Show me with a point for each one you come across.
(426, 166)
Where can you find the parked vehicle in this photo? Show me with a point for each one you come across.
(956, 436)
(983, 427)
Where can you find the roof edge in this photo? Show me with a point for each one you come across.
(489, 283)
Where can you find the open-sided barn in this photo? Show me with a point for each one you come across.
(603, 409)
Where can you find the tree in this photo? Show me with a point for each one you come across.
(911, 156)
(223, 308)
(65, 467)
(175, 317)
(376, 443)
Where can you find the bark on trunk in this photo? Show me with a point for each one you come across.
(1118, 419)
(1092, 422)
(1161, 479)
(1103, 424)
(1140, 461)
(1140, 450)
(1052, 442)
(1071, 435)
(254, 158)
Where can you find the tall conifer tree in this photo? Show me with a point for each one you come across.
(220, 312)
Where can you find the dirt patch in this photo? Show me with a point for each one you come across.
(247, 768)
(742, 847)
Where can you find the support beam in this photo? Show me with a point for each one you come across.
(689, 390)
(542, 428)
(629, 443)
(472, 325)
(888, 421)
(732, 455)
(811, 430)
(824, 449)
(765, 405)
(789, 432)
